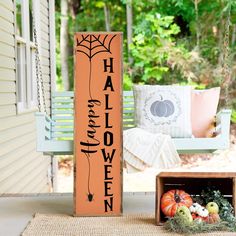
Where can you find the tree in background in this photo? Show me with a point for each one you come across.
(174, 41)
(64, 45)
(197, 51)
(129, 19)
(83, 15)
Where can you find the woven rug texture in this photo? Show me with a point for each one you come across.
(126, 225)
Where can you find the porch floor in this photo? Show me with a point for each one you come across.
(17, 211)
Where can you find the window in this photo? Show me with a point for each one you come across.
(26, 91)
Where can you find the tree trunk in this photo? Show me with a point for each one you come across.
(196, 2)
(74, 6)
(129, 16)
(64, 45)
(233, 35)
(107, 18)
(221, 29)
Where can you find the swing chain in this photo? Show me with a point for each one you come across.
(226, 70)
(39, 74)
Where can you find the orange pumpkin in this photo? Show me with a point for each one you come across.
(173, 199)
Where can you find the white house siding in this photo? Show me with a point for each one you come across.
(22, 169)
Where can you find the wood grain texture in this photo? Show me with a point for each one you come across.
(234, 195)
(159, 192)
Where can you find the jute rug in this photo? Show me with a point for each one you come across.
(127, 225)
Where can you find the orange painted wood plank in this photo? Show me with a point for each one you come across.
(98, 124)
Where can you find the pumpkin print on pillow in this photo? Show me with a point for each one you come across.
(163, 109)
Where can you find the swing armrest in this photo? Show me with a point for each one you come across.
(44, 126)
(223, 123)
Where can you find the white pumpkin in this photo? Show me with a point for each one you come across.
(202, 211)
(195, 207)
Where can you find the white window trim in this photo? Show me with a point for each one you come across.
(19, 39)
(20, 105)
(30, 81)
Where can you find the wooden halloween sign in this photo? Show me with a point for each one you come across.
(98, 124)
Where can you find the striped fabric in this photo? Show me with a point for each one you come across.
(164, 109)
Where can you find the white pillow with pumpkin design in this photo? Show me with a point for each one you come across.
(163, 109)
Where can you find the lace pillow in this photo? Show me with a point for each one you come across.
(163, 109)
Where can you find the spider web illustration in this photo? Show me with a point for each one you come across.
(91, 45)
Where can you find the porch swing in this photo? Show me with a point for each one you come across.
(55, 132)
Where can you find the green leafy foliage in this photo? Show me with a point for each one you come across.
(58, 56)
(226, 210)
(165, 37)
(178, 225)
(152, 34)
(233, 117)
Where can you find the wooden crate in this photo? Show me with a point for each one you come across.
(193, 183)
